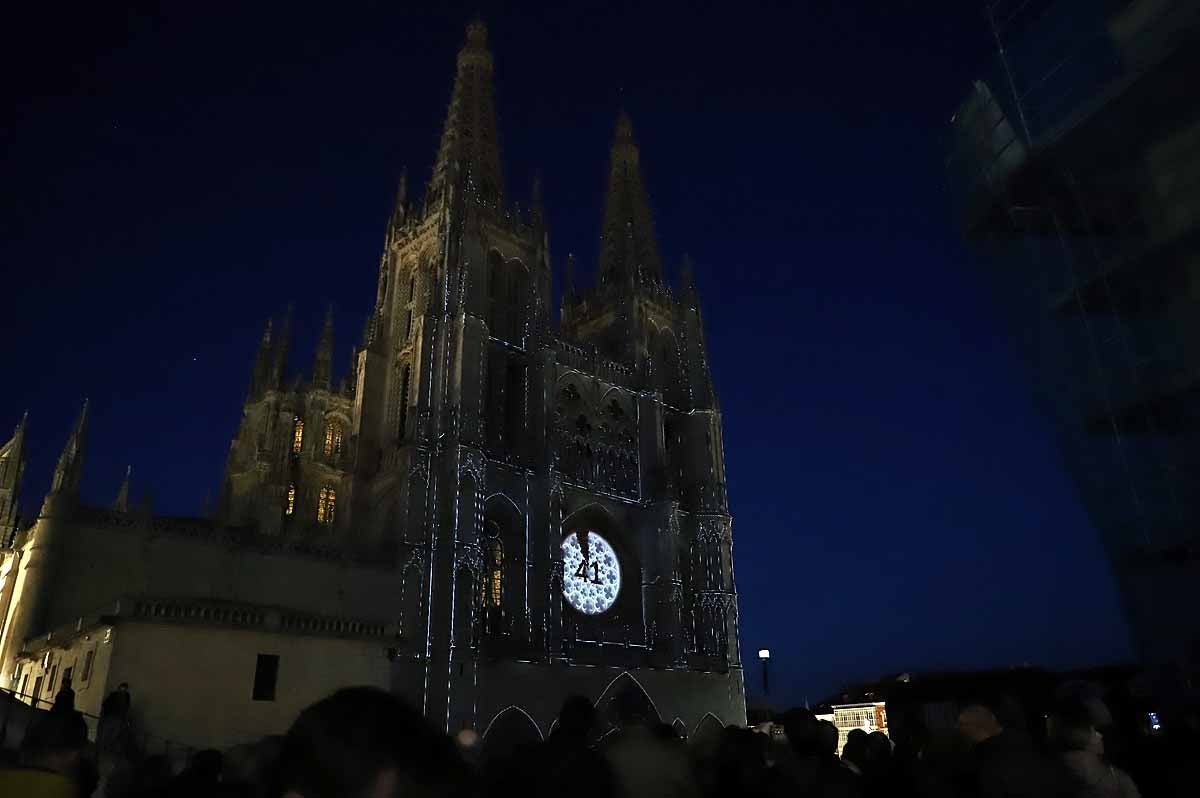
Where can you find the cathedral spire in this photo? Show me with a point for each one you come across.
(400, 210)
(12, 468)
(260, 378)
(469, 147)
(628, 244)
(323, 362)
(569, 281)
(121, 503)
(537, 210)
(70, 462)
(282, 347)
(687, 278)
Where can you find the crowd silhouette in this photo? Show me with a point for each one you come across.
(363, 742)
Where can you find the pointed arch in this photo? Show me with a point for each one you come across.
(510, 730)
(670, 371)
(511, 716)
(592, 515)
(680, 728)
(707, 731)
(468, 508)
(625, 701)
(503, 540)
(412, 592)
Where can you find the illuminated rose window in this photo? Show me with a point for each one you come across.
(591, 573)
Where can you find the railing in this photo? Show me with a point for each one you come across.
(146, 743)
(589, 361)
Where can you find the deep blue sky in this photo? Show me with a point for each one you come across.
(172, 177)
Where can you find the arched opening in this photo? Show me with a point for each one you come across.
(297, 434)
(625, 703)
(507, 297)
(621, 620)
(670, 374)
(707, 732)
(491, 586)
(333, 438)
(508, 733)
(502, 583)
(410, 601)
(497, 291)
(326, 505)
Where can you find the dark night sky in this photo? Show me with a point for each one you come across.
(171, 178)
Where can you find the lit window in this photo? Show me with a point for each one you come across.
(491, 589)
(333, 439)
(297, 434)
(326, 502)
(291, 499)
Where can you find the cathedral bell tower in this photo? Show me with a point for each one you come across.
(550, 502)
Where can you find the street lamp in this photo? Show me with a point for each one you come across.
(764, 656)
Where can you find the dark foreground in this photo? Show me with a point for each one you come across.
(364, 743)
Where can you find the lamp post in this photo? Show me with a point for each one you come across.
(764, 656)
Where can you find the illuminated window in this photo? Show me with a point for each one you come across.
(491, 589)
(333, 439)
(291, 499)
(326, 503)
(297, 434)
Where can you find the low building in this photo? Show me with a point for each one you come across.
(870, 716)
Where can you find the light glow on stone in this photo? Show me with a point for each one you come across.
(591, 583)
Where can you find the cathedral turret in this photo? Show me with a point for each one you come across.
(261, 376)
(323, 362)
(400, 210)
(67, 473)
(569, 290)
(687, 280)
(121, 503)
(12, 469)
(537, 209)
(469, 145)
(628, 244)
(279, 361)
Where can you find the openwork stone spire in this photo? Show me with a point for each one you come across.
(121, 503)
(323, 361)
(70, 462)
(12, 468)
(469, 139)
(628, 245)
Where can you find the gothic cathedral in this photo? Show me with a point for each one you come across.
(543, 509)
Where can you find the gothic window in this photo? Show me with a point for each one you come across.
(615, 411)
(570, 393)
(403, 410)
(491, 587)
(333, 439)
(326, 504)
(514, 404)
(495, 291)
(290, 507)
(412, 306)
(297, 434)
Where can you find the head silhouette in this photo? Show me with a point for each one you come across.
(362, 741)
(576, 718)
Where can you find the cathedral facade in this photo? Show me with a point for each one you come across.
(490, 513)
